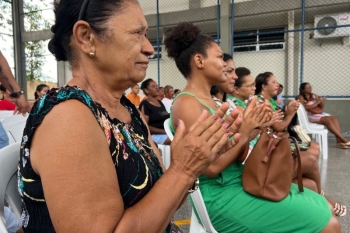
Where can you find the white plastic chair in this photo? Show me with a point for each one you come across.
(165, 152)
(4, 114)
(10, 121)
(9, 156)
(14, 126)
(198, 202)
(315, 129)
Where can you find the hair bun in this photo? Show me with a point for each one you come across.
(57, 49)
(180, 38)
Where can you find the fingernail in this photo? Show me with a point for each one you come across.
(177, 123)
(228, 135)
(215, 117)
(222, 121)
(226, 126)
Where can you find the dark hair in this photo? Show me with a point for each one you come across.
(281, 86)
(260, 80)
(176, 90)
(227, 57)
(241, 73)
(145, 84)
(2, 89)
(39, 88)
(183, 42)
(301, 90)
(167, 88)
(97, 13)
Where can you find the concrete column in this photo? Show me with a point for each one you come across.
(290, 56)
(18, 28)
(225, 26)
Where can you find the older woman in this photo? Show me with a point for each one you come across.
(314, 107)
(99, 170)
(230, 208)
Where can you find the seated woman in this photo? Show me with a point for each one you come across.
(230, 208)
(154, 112)
(244, 88)
(314, 106)
(99, 170)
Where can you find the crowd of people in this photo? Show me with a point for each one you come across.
(102, 166)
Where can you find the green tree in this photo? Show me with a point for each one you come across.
(34, 50)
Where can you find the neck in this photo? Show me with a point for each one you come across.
(240, 97)
(220, 95)
(99, 91)
(266, 96)
(198, 86)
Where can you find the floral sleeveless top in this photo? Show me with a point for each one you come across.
(135, 162)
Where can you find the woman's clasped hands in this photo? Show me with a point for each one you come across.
(193, 152)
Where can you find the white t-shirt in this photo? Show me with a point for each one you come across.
(167, 103)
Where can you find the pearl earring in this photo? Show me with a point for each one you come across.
(91, 54)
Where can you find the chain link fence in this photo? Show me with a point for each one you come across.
(298, 40)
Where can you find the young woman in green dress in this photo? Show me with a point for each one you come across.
(230, 208)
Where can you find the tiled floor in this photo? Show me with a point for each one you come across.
(335, 175)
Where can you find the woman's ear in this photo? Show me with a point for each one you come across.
(84, 37)
(198, 61)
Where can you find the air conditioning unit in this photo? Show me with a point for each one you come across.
(328, 26)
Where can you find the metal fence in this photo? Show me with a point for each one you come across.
(298, 40)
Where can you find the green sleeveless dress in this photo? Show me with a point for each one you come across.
(231, 209)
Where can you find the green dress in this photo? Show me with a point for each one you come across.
(232, 210)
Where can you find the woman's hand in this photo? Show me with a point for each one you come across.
(194, 152)
(292, 107)
(275, 117)
(255, 116)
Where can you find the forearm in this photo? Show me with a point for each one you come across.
(154, 211)
(6, 77)
(155, 130)
(281, 126)
(227, 158)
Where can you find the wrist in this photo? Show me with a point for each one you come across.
(17, 94)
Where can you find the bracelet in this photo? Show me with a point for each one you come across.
(194, 186)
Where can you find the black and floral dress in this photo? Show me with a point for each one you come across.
(135, 162)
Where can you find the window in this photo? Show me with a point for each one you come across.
(259, 40)
(157, 54)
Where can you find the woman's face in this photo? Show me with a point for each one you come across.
(307, 89)
(124, 54)
(135, 89)
(152, 89)
(248, 87)
(271, 89)
(214, 65)
(43, 91)
(231, 77)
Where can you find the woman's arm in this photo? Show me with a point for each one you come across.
(289, 114)
(7, 79)
(307, 106)
(227, 157)
(80, 182)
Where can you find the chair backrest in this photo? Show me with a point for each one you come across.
(196, 196)
(16, 131)
(9, 156)
(302, 117)
(198, 202)
(4, 114)
(168, 130)
(10, 121)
